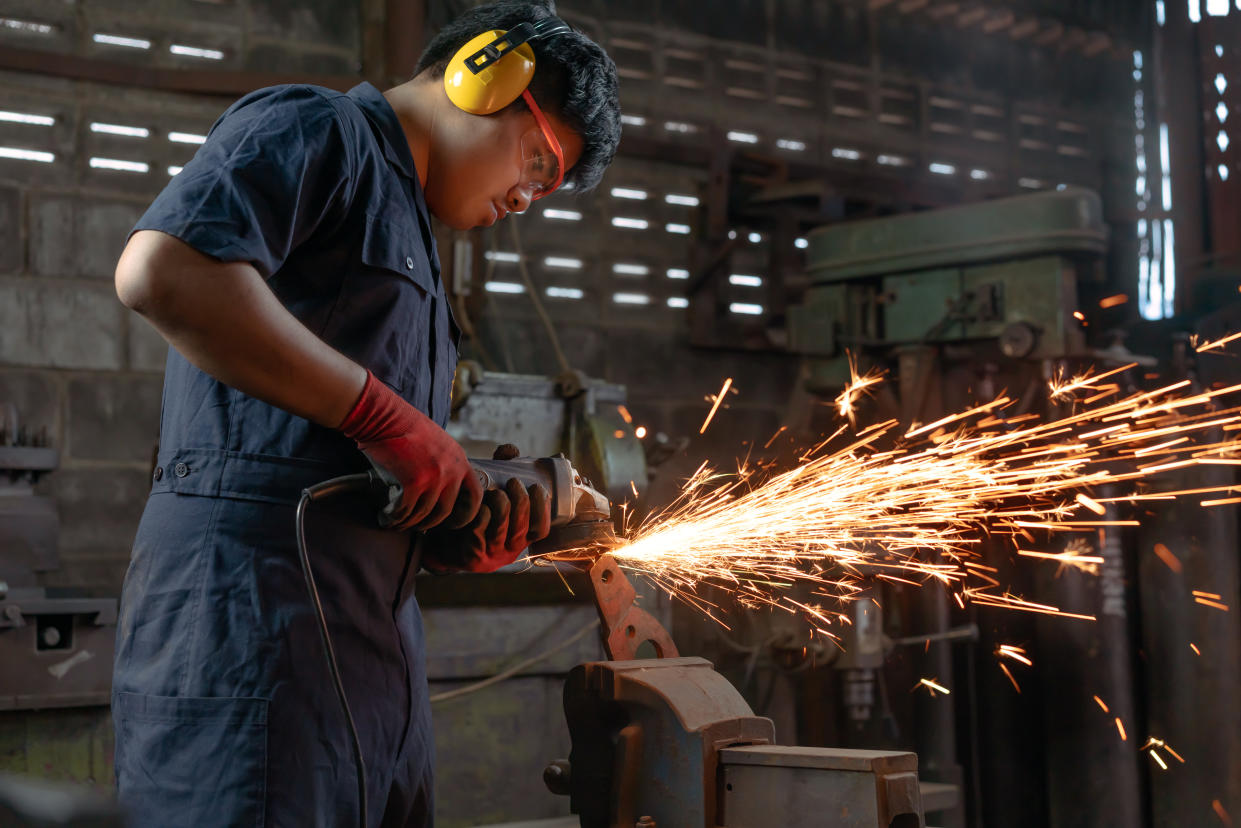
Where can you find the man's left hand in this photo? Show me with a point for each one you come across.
(508, 521)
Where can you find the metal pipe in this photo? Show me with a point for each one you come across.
(1192, 700)
(1093, 775)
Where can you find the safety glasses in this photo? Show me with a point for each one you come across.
(541, 155)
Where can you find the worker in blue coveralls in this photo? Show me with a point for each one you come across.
(291, 267)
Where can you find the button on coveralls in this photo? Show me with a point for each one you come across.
(224, 709)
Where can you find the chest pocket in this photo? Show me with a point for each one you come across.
(393, 308)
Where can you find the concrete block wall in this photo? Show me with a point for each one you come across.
(73, 360)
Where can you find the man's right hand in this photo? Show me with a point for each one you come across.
(433, 471)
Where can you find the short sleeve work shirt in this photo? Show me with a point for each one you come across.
(317, 190)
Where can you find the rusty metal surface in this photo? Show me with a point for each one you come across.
(625, 627)
(646, 736)
(800, 787)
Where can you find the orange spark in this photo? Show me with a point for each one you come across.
(639, 432)
(932, 686)
(1218, 807)
(1101, 704)
(1197, 593)
(853, 391)
(1092, 505)
(1016, 686)
(1113, 300)
(625, 415)
(1213, 604)
(1218, 343)
(1069, 557)
(1121, 728)
(1079, 316)
(773, 437)
(1165, 555)
(1062, 388)
(1194, 647)
(1015, 653)
(914, 506)
(719, 398)
(1152, 743)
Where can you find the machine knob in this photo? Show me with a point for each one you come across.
(1018, 340)
(558, 776)
(51, 636)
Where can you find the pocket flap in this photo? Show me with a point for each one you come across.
(393, 247)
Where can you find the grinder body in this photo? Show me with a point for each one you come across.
(581, 516)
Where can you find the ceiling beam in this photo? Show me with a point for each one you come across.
(222, 82)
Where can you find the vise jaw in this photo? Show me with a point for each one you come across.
(670, 741)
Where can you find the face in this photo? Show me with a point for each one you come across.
(475, 177)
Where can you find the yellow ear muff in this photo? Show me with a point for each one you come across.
(496, 86)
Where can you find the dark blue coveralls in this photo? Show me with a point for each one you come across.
(222, 702)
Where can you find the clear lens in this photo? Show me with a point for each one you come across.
(539, 165)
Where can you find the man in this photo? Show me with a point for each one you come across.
(292, 269)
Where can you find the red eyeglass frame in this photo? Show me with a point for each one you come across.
(546, 127)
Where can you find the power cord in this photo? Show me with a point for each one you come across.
(366, 481)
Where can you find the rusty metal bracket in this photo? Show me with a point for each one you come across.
(624, 626)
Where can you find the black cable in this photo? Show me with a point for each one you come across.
(329, 488)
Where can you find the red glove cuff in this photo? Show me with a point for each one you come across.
(379, 414)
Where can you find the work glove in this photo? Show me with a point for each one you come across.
(509, 520)
(433, 471)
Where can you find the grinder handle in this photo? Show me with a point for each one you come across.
(552, 473)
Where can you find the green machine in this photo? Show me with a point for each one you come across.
(1005, 271)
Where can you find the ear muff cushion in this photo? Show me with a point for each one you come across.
(495, 87)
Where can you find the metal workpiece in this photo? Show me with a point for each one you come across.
(625, 627)
(799, 787)
(646, 739)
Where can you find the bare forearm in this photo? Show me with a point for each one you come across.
(225, 320)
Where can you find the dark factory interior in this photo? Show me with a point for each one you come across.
(851, 438)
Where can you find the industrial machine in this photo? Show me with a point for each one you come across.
(960, 305)
(56, 645)
(572, 414)
(1010, 271)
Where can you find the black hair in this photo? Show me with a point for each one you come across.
(574, 78)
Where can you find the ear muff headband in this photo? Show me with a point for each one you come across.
(492, 70)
